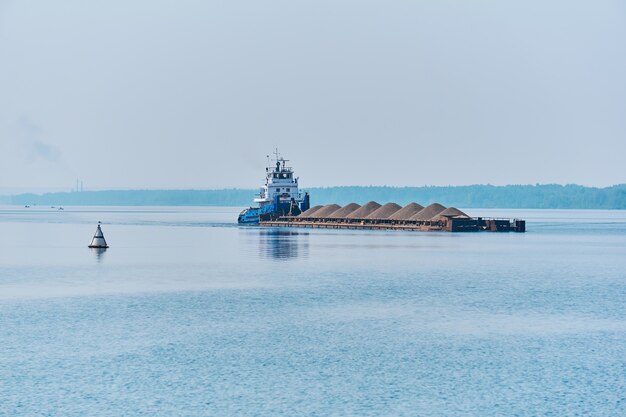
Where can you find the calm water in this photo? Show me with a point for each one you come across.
(188, 314)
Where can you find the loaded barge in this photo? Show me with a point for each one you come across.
(282, 205)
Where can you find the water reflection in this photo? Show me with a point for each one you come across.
(281, 244)
(98, 253)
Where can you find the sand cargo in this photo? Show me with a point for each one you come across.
(391, 216)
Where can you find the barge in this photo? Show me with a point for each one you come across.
(393, 217)
(282, 205)
(472, 224)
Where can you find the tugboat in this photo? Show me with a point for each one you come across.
(278, 197)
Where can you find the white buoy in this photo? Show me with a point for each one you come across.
(98, 239)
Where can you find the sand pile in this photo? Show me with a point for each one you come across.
(429, 212)
(307, 213)
(384, 212)
(406, 212)
(390, 211)
(451, 212)
(364, 211)
(343, 212)
(326, 211)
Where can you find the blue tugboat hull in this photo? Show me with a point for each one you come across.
(254, 215)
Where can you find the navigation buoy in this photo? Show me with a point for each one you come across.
(98, 239)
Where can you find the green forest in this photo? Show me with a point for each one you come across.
(541, 196)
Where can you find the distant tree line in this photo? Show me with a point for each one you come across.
(546, 196)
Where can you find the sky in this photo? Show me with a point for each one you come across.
(194, 94)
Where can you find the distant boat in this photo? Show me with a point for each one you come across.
(98, 240)
(27, 206)
(61, 208)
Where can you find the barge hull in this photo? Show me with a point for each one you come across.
(476, 224)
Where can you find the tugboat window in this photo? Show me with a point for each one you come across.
(287, 189)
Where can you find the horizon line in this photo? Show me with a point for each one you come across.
(39, 191)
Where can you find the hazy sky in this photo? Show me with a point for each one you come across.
(194, 94)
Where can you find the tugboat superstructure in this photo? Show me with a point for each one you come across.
(279, 196)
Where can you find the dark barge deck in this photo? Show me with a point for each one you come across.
(473, 224)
